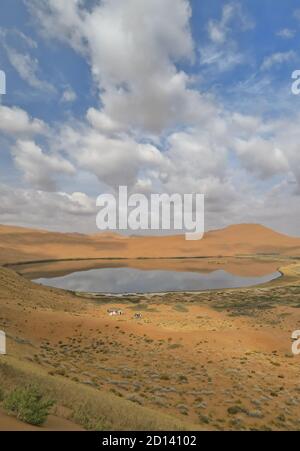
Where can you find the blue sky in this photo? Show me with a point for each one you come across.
(61, 66)
(164, 96)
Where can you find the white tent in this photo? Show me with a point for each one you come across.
(2, 342)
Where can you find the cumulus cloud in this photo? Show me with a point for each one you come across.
(245, 124)
(287, 135)
(115, 160)
(14, 120)
(195, 155)
(37, 167)
(102, 122)
(151, 129)
(51, 210)
(261, 157)
(133, 51)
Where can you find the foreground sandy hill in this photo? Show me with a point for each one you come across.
(20, 244)
(9, 423)
(211, 360)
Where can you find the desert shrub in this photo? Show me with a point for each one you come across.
(175, 346)
(82, 415)
(165, 377)
(234, 410)
(204, 419)
(180, 308)
(182, 378)
(1, 395)
(29, 405)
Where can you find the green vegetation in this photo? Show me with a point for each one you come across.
(87, 406)
(180, 308)
(90, 423)
(234, 410)
(29, 405)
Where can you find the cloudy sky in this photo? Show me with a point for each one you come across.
(160, 95)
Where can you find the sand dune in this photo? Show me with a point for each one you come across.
(9, 423)
(218, 350)
(20, 244)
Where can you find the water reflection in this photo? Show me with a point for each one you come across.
(129, 280)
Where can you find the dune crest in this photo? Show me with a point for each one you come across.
(19, 244)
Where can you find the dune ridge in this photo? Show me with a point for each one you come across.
(19, 244)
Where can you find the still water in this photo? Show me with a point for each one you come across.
(129, 280)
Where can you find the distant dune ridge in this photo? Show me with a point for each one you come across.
(19, 244)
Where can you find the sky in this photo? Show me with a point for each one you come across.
(164, 96)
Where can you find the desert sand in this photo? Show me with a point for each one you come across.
(20, 244)
(210, 360)
(8, 423)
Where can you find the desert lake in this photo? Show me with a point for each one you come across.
(123, 280)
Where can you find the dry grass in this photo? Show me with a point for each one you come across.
(218, 359)
(91, 408)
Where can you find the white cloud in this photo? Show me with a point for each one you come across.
(14, 120)
(27, 68)
(152, 129)
(287, 136)
(245, 124)
(286, 33)
(55, 210)
(225, 58)
(232, 12)
(222, 50)
(262, 157)
(68, 96)
(195, 155)
(115, 160)
(278, 58)
(100, 121)
(38, 168)
(133, 53)
(6, 33)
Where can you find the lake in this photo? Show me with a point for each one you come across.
(118, 280)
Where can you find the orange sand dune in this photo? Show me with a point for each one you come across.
(20, 244)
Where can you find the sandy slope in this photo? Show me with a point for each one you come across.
(20, 244)
(8, 423)
(215, 350)
(191, 356)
